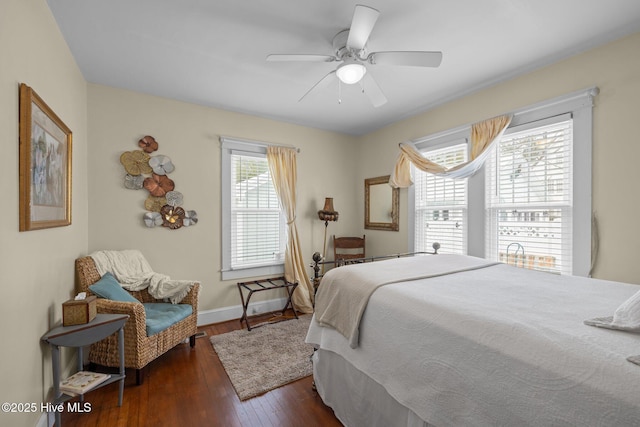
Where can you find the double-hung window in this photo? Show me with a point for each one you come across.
(441, 203)
(253, 227)
(529, 203)
(530, 206)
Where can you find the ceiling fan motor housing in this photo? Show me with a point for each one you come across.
(341, 49)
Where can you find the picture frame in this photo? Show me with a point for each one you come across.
(45, 165)
(381, 204)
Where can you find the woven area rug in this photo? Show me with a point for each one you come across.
(267, 357)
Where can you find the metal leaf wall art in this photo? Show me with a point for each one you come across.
(149, 172)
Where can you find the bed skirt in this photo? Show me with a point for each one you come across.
(364, 402)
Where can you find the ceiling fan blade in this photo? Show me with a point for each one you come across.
(413, 59)
(373, 91)
(300, 57)
(323, 83)
(364, 18)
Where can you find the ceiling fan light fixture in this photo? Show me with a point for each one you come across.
(351, 72)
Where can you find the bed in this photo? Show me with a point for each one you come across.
(466, 342)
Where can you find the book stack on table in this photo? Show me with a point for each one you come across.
(82, 381)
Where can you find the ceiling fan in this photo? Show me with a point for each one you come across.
(350, 51)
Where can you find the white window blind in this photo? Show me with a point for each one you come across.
(441, 204)
(529, 200)
(257, 229)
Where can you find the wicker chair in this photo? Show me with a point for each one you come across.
(139, 349)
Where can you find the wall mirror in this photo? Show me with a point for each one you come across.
(381, 203)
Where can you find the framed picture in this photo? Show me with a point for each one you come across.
(45, 165)
(381, 204)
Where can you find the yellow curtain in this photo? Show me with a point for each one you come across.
(283, 169)
(483, 135)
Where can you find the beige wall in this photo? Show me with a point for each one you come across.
(36, 267)
(615, 69)
(189, 135)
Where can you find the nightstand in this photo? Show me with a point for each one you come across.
(83, 335)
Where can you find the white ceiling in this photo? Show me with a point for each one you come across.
(212, 52)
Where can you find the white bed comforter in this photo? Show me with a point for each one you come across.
(344, 292)
(499, 346)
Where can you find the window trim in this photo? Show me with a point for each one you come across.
(231, 146)
(580, 105)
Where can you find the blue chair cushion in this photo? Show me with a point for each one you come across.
(161, 315)
(109, 288)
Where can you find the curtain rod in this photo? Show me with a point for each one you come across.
(252, 142)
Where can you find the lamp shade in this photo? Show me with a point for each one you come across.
(328, 204)
(351, 72)
(328, 213)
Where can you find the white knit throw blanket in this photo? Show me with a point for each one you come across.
(134, 273)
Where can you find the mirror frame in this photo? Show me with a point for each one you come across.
(395, 205)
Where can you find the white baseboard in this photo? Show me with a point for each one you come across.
(218, 315)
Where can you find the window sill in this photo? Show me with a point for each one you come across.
(243, 273)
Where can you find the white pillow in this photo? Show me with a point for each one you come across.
(628, 314)
(625, 318)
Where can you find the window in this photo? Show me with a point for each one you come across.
(529, 182)
(441, 204)
(254, 233)
(531, 206)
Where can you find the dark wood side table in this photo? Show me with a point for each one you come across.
(265, 285)
(83, 335)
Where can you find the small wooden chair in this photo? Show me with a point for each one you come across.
(346, 249)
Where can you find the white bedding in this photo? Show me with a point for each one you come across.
(498, 346)
(341, 307)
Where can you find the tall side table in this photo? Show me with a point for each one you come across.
(83, 335)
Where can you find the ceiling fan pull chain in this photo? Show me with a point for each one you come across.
(339, 92)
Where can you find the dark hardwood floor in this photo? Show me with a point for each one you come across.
(189, 387)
